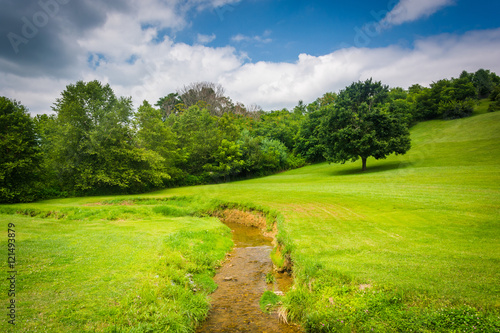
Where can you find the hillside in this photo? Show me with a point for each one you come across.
(421, 231)
(426, 224)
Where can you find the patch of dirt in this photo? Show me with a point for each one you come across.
(251, 219)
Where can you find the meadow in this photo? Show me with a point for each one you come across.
(412, 244)
(112, 266)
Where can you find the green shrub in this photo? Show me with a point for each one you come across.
(456, 109)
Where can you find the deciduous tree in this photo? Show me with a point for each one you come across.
(210, 93)
(95, 145)
(357, 126)
(19, 153)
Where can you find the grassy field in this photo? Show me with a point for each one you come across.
(425, 226)
(120, 266)
(411, 244)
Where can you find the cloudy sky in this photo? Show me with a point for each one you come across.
(271, 53)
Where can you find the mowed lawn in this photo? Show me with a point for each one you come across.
(426, 222)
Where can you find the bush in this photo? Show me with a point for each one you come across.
(456, 109)
(495, 100)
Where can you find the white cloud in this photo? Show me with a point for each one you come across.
(204, 4)
(172, 13)
(412, 10)
(125, 47)
(144, 67)
(278, 85)
(162, 14)
(159, 68)
(264, 38)
(239, 38)
(38, 94)
(125, 51)
(205, 39)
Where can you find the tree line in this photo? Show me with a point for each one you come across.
(96, 143)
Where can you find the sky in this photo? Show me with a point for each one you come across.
(263, 52)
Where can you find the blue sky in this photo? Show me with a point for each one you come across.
(266, 53)
(321, 27)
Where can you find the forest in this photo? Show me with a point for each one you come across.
(96, 142)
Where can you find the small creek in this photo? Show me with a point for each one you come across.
(241, 282)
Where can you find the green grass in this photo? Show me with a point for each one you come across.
(482, 106)
(268, 301)
(435, 208)
(425, 225)
(420, 234)
(112, 268)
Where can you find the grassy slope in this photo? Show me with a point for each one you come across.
(426, 223)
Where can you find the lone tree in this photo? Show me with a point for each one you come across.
(358, 125)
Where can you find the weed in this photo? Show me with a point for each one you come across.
(268, 301)
(277, 258)
(270, 278)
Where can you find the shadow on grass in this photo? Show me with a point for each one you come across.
(371, 169)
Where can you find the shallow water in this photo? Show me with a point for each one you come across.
(241, 282)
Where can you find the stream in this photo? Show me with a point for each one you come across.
(241, 282)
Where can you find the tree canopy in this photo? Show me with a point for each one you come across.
(358, 126)
(19, 153)
(96, 143)
(94, 147)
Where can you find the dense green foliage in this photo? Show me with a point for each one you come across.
(92, 148)
(357, 126)
(96, 144)
(454, 98)
(495, 99)
(19, 153)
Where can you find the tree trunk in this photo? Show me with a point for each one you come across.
(364, 163)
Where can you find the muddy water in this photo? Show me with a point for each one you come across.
(242, 281)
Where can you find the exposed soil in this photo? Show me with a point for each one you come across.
(251, 219)
(242, 281)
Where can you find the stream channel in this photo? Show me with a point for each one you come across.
(241, 282)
